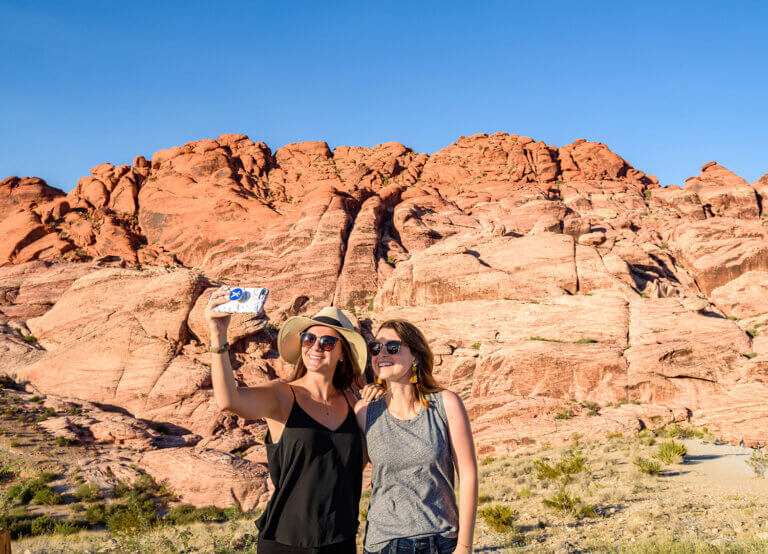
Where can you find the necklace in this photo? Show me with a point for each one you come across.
(325, 405)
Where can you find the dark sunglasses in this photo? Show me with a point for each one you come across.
(326, 342)
(393, 347)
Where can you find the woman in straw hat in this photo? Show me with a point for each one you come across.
(314, 444)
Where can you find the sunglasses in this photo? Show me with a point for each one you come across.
(326, 342)
(393, 347)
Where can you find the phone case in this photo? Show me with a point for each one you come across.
(244, 300)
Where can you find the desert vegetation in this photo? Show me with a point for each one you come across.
(624, 493)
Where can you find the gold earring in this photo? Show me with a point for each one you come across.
(415, 376)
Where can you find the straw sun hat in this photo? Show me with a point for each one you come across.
(288, 338)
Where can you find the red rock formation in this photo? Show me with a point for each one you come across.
(543, 277)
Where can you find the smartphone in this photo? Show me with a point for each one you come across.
(243, 300)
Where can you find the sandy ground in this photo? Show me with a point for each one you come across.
(720, 467)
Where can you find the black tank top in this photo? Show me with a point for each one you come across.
(318, 476)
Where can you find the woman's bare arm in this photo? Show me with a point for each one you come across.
(463, 450)
(263, 401)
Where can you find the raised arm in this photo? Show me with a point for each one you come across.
(463, 450)
(263, 401)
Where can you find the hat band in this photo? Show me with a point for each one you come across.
(328, 321)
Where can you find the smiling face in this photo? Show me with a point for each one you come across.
(393, 367)
(317, 359)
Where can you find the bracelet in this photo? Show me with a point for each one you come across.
(220, 350)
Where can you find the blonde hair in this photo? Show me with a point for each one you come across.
(417, 342)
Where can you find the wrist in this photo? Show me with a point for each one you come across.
(217, 339)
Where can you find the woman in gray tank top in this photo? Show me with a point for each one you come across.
(417, 434)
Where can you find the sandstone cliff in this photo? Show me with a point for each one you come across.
(549, 280)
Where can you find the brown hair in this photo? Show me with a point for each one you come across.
(343, 376)
(417, 342)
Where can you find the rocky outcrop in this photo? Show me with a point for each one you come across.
(561, 289)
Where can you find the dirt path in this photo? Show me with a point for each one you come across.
(720, 467)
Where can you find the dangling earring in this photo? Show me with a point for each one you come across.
(415, 375)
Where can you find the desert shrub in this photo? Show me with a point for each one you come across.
(96, 513)
(130, 520)
(181, 514)
(88, 493)
(592, 408)
(565, 414)
(121, 489)
(36, 399)
(65, 528)
(187, 513)
(76, 508)
(498, 517)
(566, 503)
(235, 512)
(758, 461)
(482, 498)
(6, 472)
(585, 340)
(42, 525)
(64, 441)
(613, 435)
(47, 497)
(671, 452)
(524, 493)
(568, 465)
(651, 467)
(677, 431)
(21, 492)
(27, 490)
(7, 382)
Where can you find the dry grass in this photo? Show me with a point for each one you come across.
(589, 496)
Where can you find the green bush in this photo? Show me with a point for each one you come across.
(498, 517)
(183, 513)
(46, 496)
(234, 512)
(566, 503)
(96, 513)
(42, 525)
(568, 465)
(130, 520)
(65, 528)
(671, 452)
(121, 489)
(565, 414)
(88, 493)
(21, 492)
(758, 461)
(187, 513)
(27, 490)
(64, 441)
(650, 467)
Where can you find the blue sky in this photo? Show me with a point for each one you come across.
(668, 85)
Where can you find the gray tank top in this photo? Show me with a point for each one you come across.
(412, 475)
